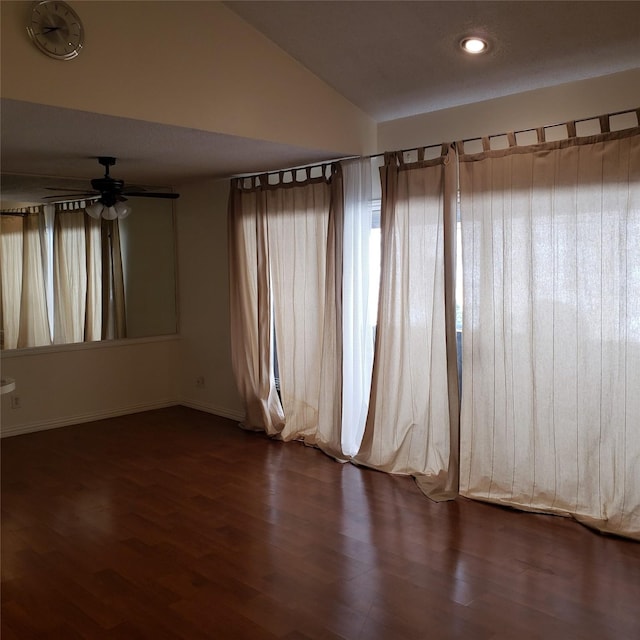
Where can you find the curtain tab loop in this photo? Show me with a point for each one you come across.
(511, 138)
(540, 132)
(420, 154)
(459, 145)
(605, 127)
(571, 129)
(486, 145)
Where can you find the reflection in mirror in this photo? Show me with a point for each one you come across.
(147, 243)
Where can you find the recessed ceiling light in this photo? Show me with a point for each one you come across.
(474, 45)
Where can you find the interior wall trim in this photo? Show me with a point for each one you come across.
(238, 416)
(43, 425)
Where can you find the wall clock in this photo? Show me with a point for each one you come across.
(56, 29)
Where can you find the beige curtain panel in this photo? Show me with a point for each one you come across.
(93, 244)
(25, 321)
(69, 271)
(69, 276)
(302, 249)
(413, 415)
(550, 414)
(551, 357)
(11, 240)
(284, 292)
(252, 349)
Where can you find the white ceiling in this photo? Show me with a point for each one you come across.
(391, 59)
(398, 59)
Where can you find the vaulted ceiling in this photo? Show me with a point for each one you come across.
(391, 59)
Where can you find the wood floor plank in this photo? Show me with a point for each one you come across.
(178, 524)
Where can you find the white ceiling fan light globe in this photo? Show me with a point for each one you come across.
(95, 210)
(122, 209)
(110, 213)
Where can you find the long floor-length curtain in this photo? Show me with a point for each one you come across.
(25, 321)
(285, 243)
(251, 309)
(412, 424)
(304, 231)
(551, 356)
(357, 329)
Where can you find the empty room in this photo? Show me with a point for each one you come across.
(320, 320)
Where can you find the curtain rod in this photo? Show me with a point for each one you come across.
(433, 146)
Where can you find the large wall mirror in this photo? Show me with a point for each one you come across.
(148, 247)
(148, 250)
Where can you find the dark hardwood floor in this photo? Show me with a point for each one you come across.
(177, 524)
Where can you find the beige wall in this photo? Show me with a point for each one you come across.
(200, 66)
(59, 386)
(552, 105)
(203, 278)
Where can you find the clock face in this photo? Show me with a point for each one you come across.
(55, 28)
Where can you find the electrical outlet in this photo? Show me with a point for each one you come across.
(200, 381)
(15, 402)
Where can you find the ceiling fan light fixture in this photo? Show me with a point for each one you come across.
(122, 209)
(95, 210)
(474, 45)
(109, 213)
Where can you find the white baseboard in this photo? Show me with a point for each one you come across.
(217, 411)
(43, 425)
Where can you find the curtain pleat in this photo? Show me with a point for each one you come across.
(11, 243)
(551, 355)
(413, 410)
(302, 253)
(69, 277)
(34, 320)
(285, 252)
(252, 349)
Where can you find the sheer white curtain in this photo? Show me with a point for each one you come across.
(551, 355)
(358, 332)
(412, 425)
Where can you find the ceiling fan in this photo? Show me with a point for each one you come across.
(110, 194)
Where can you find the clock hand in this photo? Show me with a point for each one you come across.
(47, 30)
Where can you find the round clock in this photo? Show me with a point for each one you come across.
(56, 29)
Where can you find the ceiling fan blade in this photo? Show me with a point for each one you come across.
(85, 194)
(148, 194)
(65, 189)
